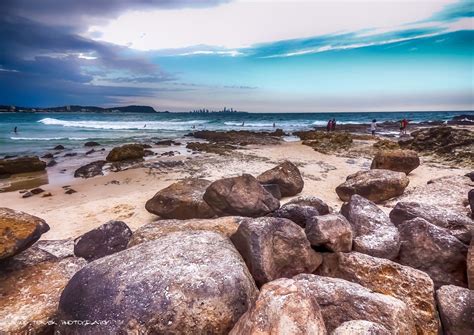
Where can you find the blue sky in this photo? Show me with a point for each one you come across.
(258, 56)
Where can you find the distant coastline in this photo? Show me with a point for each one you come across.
(79, 109)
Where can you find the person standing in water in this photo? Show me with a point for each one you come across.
(333, 124)
(373, 126)
(329, 125)
(15, 130)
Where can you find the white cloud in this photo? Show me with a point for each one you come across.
(244, 23)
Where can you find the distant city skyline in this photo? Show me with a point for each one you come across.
(256, 56)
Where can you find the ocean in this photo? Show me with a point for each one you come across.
(38, 132)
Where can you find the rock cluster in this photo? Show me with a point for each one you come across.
(126, 152)
(224, 258)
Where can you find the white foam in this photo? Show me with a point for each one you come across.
(48, 138)
(118, 125)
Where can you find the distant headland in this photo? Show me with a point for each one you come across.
(79, 109)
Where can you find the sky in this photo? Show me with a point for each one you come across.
(255, 56)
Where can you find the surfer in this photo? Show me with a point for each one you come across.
(15, 130)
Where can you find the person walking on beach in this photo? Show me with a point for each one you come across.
(373, 126)
(329, 125)
(403, 127)
(333, 125)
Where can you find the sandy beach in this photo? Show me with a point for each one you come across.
(122, 195)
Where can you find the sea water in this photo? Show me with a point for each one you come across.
(37, 132)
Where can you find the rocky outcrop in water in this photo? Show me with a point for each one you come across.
(90, 170)
(181, 200)
(21, 165)
(126, 152)
(376, 185)
(326, 142)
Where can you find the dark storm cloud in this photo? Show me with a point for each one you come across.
(44, 58)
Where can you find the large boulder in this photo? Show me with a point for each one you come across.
(181, 200)
(433, 250)
(90, 170)
(374, 233)
(242, 196)
(415, 288)
(311, 201)
(456, 309)
(459, 225)
(283, 307)
(274, 248)
(376, 185)
(126, 152)
(287, 176)
(184, 282)
(30, 286)
(21, 165)
(109, 238)
(18, 231)
(331, 232)
(360, 327)
(226, 226)
(341, 301)
(446, 192)
(396, 160)
(297, 213)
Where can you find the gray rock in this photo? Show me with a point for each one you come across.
(456, 309)
(433, 250)
(311, 201)
(459, 225)
(274, 248)
(287, 176)
(330, 232)
(341, 301)
(283, 307)
(21, 165)
(415, 288)
(297, 213)
(241, 196)
(90, 170)
(109, 238)
(181, 200)
(274, 190)
(376, 185)
(360, 327)
(184, 282)
(374, 233)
